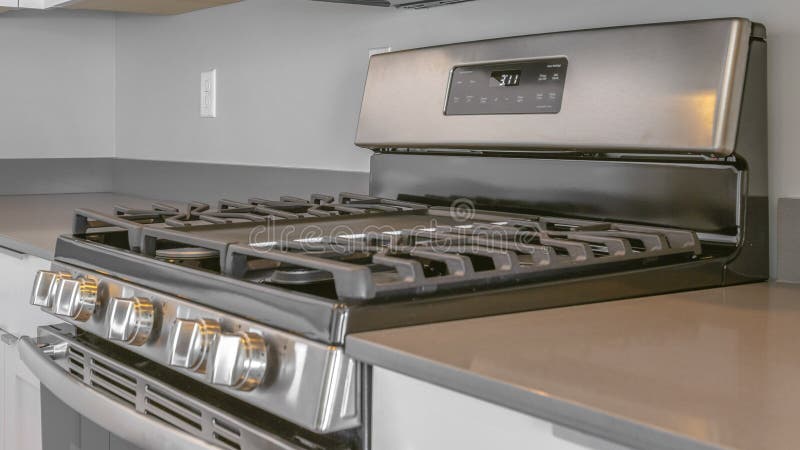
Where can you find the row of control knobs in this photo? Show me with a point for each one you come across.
(237, 360)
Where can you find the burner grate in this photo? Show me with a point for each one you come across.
(365, 266)
(359, 247)
(259, 210)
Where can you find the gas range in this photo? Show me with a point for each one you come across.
(474, 209)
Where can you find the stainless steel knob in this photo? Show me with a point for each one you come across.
(190, 341)
(75, 298)
(44, 287)
(238, 361)
(130, 320)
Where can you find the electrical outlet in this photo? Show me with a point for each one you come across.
(208, 94)
(379, 50)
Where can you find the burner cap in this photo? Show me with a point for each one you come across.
(298, 276)
(186, 254)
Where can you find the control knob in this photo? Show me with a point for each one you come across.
(75, 298)
(44, 287)
(130, 320)
(238, 360)
(190, 341)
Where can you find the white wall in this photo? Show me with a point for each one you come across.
(56, 84)
(291, 71)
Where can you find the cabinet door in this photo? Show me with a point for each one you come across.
(19, 270)
(21, 403)
(412, 414)
(148, 6)
(20, 407)
(2, 392)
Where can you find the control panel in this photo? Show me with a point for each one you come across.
(244, 359)
(518, 87)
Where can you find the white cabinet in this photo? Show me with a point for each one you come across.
(160, 7)
(32, 4)
(17, 316)
(411, 414)
(20, 404)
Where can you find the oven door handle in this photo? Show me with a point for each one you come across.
(110, 414)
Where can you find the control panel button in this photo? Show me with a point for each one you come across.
(75, 298)
(190, 341)
(44, 287)
(238, 361)
(130, 320)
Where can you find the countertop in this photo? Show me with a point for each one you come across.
(31, 224)
(716, 368)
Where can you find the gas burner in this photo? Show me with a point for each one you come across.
(186, 254)
(198, 258)
(297, 276)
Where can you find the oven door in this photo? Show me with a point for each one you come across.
(96, 396)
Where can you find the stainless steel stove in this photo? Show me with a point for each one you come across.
(508, 175)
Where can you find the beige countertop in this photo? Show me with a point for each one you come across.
(31, 224)
(716, 368)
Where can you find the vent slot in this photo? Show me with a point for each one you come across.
(226, 427)
(165, 413)
(114, 374)
(75, 363)
(176, 404)
(226, 442)
(112, 381)
(171, 410)
(226, 433)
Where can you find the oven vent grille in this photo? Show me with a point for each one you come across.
(166, 408)
(156, 400)
(226, 434)
(76, 363)
(113, 382)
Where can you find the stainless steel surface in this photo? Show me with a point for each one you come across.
(137, 406)
(700, 196)
(310, 384)
(646, 89)
(189, 343)
(44, 288)
(110, 414)
(130, 320)
(238, 361)
(75, 298)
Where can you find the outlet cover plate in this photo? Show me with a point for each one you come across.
(208, 94)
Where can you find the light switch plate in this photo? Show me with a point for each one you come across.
(208, 94)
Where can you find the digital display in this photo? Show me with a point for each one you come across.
(505, 78)
(534, 86)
